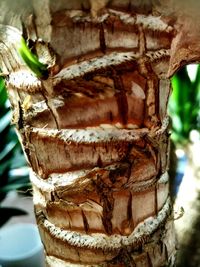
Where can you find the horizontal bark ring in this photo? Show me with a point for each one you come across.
(72, 246)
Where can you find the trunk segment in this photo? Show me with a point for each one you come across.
(95, 132)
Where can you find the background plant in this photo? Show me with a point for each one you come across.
(184, 110)
(13, 168)
(184, 105)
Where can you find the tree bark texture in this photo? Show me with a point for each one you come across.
(95, 131)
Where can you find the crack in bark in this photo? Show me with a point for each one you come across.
(85, 222)
(152, 83)
(107, 200)
(150, 264)
(102, 38)
(156, 200)
(20, 122)
(129, 209)
(124, 257)
(121, 97)
(166, 252)
(50, 109)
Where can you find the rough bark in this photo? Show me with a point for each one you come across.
(95, 131)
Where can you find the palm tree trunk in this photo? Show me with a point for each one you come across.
(95, 131)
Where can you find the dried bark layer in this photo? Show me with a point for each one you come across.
(95, 131)
(158, 250)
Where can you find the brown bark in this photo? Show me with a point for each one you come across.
(95, 132)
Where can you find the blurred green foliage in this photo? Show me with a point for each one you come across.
(13, 167)
(11, 155)
(184, 105)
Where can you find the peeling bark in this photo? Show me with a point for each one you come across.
(95, 131)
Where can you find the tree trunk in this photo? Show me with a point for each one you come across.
(95, 131)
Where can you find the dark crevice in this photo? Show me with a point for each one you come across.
(166, 252)
(121, 97)
(107, 202)
(129, 208)
(20, 122)
(50, 109)
(123, 170)
(52, 196)
(99, 162)
(70, 220)
(149, 260)
(156, 200)
(102, 38)
(85, 222)
(124, 259)
(55, 196)
(110, 116)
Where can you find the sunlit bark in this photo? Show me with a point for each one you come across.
(95, 132)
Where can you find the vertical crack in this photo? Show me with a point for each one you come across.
(152, 84)
(156, 200)
(121, 97)
(20, 122)
(124, 258)
(149, 260)
(106, 198)
(129, 208)
(102, 40)
(127, 259)
(85, 222)
(50, 109)
(166, 252)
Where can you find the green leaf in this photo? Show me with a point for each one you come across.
(6, 213)
(4, 166)
(184, 105)
(32, 61)
(3, 93)
(15, 186)
(5, 121)
(8, 149)
(23, 179)
(18, 160)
